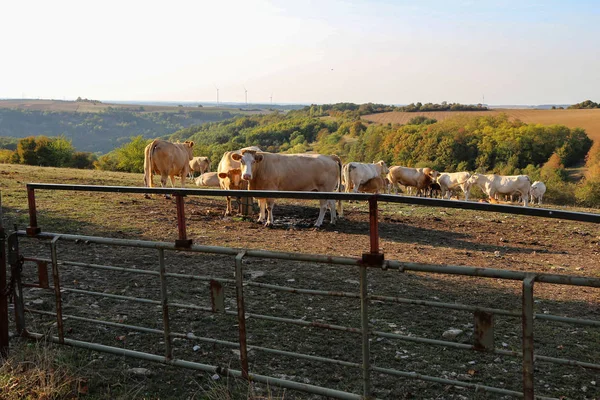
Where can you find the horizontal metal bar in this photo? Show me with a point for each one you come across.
(317, 258)
(477, 387)
(302, 291)
(111, 296)
(425, 201)
(204, 367)
(98, 266)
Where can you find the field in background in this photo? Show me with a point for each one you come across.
(85, 106)
(586, 119)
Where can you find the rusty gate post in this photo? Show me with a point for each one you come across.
(3, 294)
(57, 294)
(528, 354)
(32, 229)
(239, 288)
(183, 241)
(246, 205)
(14, 259)
(165, 305)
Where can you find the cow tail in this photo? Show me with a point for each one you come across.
(148, 164)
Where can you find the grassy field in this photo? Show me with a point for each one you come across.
(586, 119)
(407, 232)
(84, 106)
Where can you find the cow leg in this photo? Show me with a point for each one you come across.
(322, 213)
(340, 208)
(163, 183)
(525, 199)
(228, 208)
(540, 199)
(262, 204)
(270, 205)
(331, 205)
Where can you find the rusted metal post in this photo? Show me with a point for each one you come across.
(32, 229)
(57, 294)
(528, 356)
(484, 331)
(364, 316)
(165, 305)
(239, 286)
(246, 206)
(373, 225)
(3, 295)
(183, 241)
(16, 264)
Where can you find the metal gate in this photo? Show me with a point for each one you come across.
(373, 260)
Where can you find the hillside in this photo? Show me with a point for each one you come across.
(586, 119)
(98, 127)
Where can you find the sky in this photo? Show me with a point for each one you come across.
(302, 51)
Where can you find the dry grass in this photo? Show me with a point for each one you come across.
(586, 119)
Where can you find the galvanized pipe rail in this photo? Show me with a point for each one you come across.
(161, 246)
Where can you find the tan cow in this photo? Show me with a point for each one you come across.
(229, 172)
(419, 178)
(374, 185)
(167, 159)
(290, 172)
(199, 164)
(493, 184)
(355, 174)
(208, 179)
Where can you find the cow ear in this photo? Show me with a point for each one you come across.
(236, 157)
(191, 143)
(222, 175)
(258, 157)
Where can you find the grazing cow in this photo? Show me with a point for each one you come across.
(355, 174)
(208, 179)
(537, 191)
(419, 178)
(199, 164)
(493, 184)
(229, 172)
(290, 172)
(374, 185)
(450, 181)
(167, 159)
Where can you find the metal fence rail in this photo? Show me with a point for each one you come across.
(373, 259)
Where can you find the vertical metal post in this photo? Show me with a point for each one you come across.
(183, 241)
(3, 295)
(246, 206)
(373, 224)
(57, 294)
(528, 391)
(239, 288)
(32, 229)
(364, 315)
(14, 259)
(165, 305)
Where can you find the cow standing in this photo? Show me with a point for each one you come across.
(199, 164)
(355, 174)
(290, 172)
(493, 184)
(229, 172)
(537, 191)
(167, 159)
(450, 181)
(419, 178)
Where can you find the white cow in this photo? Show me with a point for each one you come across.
(355, 174)
(208, 179)
(493, 184)
(450, 181)
(290, 172)
(537, 191)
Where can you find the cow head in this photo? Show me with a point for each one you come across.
(433, 174)
(383, 166)
(232, 179)
(188, 145)
(247, 159)
(471, 181)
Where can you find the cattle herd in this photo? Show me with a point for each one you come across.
(252, 169)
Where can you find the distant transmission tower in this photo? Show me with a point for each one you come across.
(217, 95)
(271, 97)
(246, 94)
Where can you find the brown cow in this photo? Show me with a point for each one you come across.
(229, 172)
(167, 159)
(290, 172)
(419, 178)
(199, 164)
(208, 179)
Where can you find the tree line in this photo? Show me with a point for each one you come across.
(47, 152)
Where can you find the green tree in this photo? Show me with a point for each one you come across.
(26, 151)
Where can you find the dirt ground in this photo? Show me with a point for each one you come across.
(408, 233)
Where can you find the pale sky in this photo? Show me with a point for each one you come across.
(382, 51)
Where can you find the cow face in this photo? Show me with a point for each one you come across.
(232, 179)
(247, 159)
(384, 168)
(189, 148)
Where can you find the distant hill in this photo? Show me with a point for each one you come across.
(100, 127)
(588, 119)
